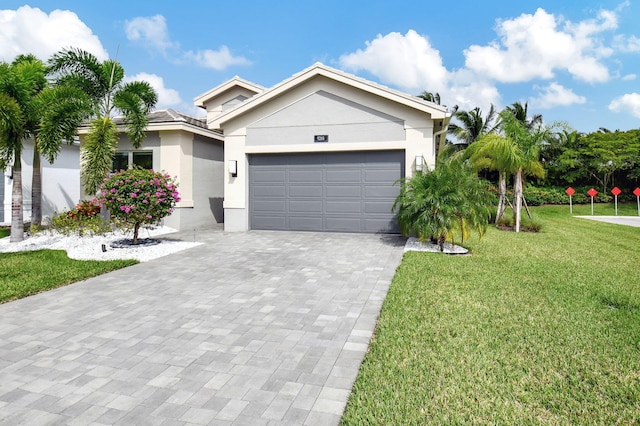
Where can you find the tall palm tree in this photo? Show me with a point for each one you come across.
(104, 83)
(61, 109)
(472, 125)
(20, 82)
(527, 143)
(430, 96)
(521, 113)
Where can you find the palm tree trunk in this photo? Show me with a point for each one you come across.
(502, 195)
(517, 192)
(17, 219)
(36, 189)
(136, 228)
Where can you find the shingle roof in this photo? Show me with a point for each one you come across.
(169, 116)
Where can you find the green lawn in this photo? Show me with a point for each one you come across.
(30, 272)
(531, 329)
(4, 232)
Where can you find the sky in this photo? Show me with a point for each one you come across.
(573, 61)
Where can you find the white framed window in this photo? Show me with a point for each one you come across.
(123, 160)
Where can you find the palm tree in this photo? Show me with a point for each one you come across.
(440, 203)
(495, 152)
(526, 146)
(430, 96)
(472, 125)
(20, 82)
(104, 83)
(61, 109)
(521, 113)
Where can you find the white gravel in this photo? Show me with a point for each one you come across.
(90, 247)
(414, 244)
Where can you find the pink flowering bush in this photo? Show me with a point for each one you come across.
(139, 196)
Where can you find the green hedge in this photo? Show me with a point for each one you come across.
(540, 196)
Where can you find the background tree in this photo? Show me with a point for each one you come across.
(521, 113)
(527, 144)
(471, 125)
(104, 83)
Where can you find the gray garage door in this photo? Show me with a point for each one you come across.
(342, 191)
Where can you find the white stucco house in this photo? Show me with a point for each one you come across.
(321, 151)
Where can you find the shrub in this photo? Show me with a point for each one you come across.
(85, 217)
(139, 196)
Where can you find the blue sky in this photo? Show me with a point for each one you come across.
(576, 61)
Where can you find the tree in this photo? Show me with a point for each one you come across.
(61, 109)
(104, 83)
(525, 152)
(495, 152)
(430, 96)
(521, 113)
(20, 82)
(472, 125)
(441, 203)
(138, 196)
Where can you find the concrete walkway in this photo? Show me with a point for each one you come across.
(619, 220)
(250, 328)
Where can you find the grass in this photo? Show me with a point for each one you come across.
(4, 232)
(25, 273)
(533, 328)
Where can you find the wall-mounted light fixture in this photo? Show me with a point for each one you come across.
(233, 168)
(419, 163)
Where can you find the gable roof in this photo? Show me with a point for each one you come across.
(319, 69)
(236, 81)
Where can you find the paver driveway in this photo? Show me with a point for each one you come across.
(250, 328)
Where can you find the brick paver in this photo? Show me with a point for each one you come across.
(249, 328)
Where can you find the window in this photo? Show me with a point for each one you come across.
(123, 160)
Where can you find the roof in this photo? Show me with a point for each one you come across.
(168, 119)
(236, 81)
(318, 69)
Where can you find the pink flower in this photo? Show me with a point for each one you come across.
(122, 208)
(133, 195)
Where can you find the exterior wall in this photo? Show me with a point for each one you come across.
(4, 182)
(207, 191)
(324, 113)
(60, 183)
(226, 101)
(338, 108)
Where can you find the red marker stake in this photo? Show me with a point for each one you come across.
(616, 191)
(570, 191)
(592, 193)
(636, 192)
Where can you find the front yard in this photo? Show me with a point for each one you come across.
(531, 329)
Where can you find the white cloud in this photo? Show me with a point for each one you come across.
(151, 31)
(407, 61)
(536, 46)
(216, 59)
(629, 77)
(629, 103)
(30, 30)
(556, 95)
(167, 98)
(630, 44)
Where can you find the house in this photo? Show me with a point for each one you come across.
(321, 151)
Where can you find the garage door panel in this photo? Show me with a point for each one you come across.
(269, 205)
(304, 223)
(305, 191)
(343, 224)
(339, 191)
(346, 176)
(343, 207)
(383, 175)
(381, 191)
(343, 191)
(270, 191)
(305, 206)
(270, 222)
(304, 176)
(270, 176)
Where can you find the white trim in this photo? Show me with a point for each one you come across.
(236, 81)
